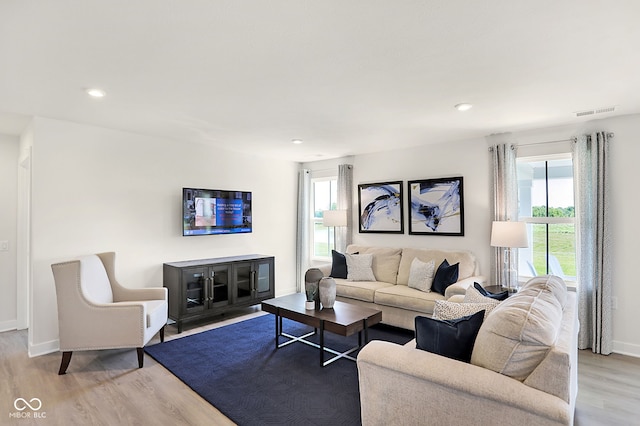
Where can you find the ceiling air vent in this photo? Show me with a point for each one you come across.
(595, 111)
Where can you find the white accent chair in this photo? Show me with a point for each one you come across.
(96, 312)
(555, 268)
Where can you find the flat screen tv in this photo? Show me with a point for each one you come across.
(212, 211)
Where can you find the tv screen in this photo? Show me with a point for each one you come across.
(211, 211)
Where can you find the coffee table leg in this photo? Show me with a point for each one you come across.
(278, 324)
(321, 343)
(366, 331)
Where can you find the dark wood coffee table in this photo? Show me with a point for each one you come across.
(344, 319)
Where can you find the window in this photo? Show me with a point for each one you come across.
(546, 203)
(325, 197)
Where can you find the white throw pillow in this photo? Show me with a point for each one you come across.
(359, 267)
(421, 275)
(445, 310)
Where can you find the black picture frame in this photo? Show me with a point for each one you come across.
(436, 206)
(381, 208)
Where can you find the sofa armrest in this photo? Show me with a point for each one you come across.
(326, 269)
(461, 286)
(422, 387)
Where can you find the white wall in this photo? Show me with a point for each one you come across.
(469, 159)
(96, 189)
(9, 147)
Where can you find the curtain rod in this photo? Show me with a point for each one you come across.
(573, 139)
(545, 142)
(330, 169)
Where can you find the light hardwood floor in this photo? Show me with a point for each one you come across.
(106, 388)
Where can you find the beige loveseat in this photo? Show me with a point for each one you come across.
(390, 293)
(523, 369)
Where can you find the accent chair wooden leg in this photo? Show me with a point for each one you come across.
(162, 334)
(66, 359)
(140, 357)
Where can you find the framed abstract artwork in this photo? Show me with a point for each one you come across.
(380, 207)
(436, 207)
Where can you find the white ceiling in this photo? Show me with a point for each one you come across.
(346, 76)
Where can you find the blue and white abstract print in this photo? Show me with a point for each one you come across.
(381, 207)
(436, 206)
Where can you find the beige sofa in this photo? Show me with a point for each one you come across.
(390, 293)
(523, 369)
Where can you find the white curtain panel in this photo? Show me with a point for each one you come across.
(505, 199)
(593, 241)
(304, 223)
(345, 202)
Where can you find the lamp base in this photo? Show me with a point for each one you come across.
(510, 273)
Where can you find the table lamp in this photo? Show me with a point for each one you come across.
(334, 218)
(509, 235)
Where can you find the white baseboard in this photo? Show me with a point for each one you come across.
(8, 325)
(44, 348)
(629, 349)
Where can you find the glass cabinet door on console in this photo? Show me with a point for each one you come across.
(195, 284)
(219, 279)
(263, 278)
(205, 288)
(254, 279)
(243, 277)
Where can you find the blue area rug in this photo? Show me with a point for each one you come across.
(237, 369)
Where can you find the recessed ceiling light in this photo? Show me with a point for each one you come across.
(463, 107)
(96, 93)
(296, 141)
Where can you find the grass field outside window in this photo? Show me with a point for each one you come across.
(561, 245)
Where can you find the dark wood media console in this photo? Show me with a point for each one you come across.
(208, 287)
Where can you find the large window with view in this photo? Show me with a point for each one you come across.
(546, 204)
(325, 197)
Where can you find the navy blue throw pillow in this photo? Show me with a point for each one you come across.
(497, 296)
(451, 338)
(338, 265)
(445, 276)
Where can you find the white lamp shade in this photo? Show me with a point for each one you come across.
(509, 234)
(334, 218)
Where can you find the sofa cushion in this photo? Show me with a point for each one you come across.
(452, 338)
(518, 334)
(552, 283)
(156, 312)
(446, 275)
(385, 261)
(360, 290)
(359, 267)
(94, 280)
(403, 297)
(556, 373)
(468, 264)
(338, 265)
(421, 275)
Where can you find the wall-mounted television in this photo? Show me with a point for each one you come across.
(212, 211)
